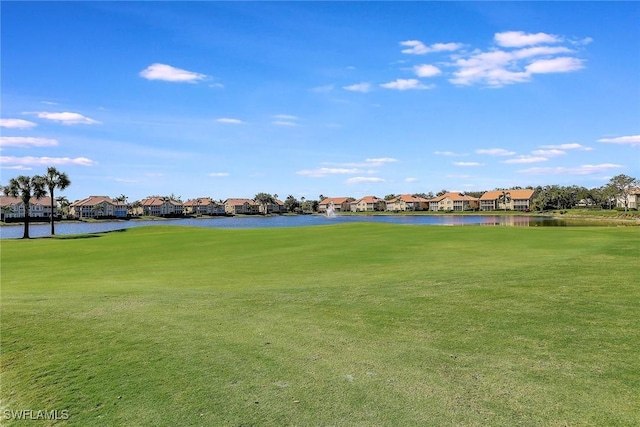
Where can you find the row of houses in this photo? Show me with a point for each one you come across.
(12, 207)
(104, 206)
(515, 200)
(95, 206)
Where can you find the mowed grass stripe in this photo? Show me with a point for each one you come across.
(356, 324)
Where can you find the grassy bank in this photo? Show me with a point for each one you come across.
(354, 324)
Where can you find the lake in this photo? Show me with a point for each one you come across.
(41, 230)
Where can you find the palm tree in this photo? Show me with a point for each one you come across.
(123, 200)
(135, 207)
(64, 205)
(55, 179)
(97, 210)
(26, 187)
(504, 198)
(265, 199)
(5, 211)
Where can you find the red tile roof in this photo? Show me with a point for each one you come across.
(236, 202)
(515, 194)
(408, 198)
(200, 201)
(92, 201)
(158, 201)
(335, 200)
(8, 201)
(368, 200)
(454, 197)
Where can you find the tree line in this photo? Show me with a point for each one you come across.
(545, 197)
(26, 187)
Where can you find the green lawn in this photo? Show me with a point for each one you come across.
(340, 325)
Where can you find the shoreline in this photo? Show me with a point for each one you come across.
(623, 218)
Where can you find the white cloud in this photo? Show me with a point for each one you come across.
(285, 117)
(170, 74)
(496, 68)
(467, 164)
(359, 179)
(427, 70)
(19, 141)
(283, 123)
(348, 167)
(46, 161)
(579, 170)
(525, 159)
(570, 146)
(632, 140)
(67, 118)
(411, 180)
(552, 152)
(20, 168)
(495, 152)
(562, 64)
(16, 124)
(449, 153)
(218, 174)
(489, 68)
(530, 52)
(406, 84)
(520, 38)
(358, 87)
(416, 47)
(380, 161)
(320, 172)
(229, 121)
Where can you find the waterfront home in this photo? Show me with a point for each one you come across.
(203, 206)
(13, 208)
(96, 207)
(368, 204)
(277, 207)
(515, 200)
(453, 202)
(241, 206)
(632, 199)
(160, 206)
(407, 202)
(340, 204)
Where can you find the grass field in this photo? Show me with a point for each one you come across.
(341, 325)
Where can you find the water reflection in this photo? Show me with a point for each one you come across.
(66, 228)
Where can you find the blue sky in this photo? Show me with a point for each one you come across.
(228, 99)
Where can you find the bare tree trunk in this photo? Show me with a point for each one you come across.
(53, 231)
(26, 223)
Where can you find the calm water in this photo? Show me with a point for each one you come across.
(40, 230)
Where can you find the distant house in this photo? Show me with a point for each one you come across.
(368, 204)
(407, 202)
(241, 206)
(277, 207)
(457, 202)
(340, 204)
(160, 206)
(517, 200)
(632, 199)
(13, 208)
(97, 207)
(203, 206)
